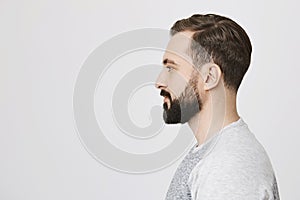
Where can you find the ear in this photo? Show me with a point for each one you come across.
(213, 76)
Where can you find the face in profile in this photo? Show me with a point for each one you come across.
(178, 82)
(183, 108)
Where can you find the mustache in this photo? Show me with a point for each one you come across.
(165, 94)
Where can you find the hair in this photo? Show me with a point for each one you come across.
(220, 40)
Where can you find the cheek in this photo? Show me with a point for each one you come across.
(176, 84)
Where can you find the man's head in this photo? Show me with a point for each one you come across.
(206, 54)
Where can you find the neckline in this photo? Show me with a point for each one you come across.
(216, 136)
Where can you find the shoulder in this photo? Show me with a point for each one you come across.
(236, 165)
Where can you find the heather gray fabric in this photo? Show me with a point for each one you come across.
(230, 165)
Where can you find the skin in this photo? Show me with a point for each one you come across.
(218, 102)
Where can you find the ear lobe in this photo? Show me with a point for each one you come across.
(213, 77)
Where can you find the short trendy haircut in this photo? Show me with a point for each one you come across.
(220, 40)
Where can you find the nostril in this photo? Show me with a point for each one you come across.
(159, 85)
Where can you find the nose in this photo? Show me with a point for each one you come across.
(161, 81)
(160, 85)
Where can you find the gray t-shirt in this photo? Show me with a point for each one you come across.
(230, 165)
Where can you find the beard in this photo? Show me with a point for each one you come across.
(183, 108)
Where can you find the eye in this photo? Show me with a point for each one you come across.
(169, 68)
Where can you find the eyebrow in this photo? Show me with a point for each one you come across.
(168, 61)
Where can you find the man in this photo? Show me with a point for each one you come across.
(204, 64)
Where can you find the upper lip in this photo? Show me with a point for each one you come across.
(165, 94)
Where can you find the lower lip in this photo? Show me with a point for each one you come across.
(166, 99)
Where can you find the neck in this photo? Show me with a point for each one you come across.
(217, 112)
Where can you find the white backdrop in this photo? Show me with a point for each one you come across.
(43, 45)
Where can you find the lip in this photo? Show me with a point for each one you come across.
(165, 99)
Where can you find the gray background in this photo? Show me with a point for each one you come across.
(43, 45)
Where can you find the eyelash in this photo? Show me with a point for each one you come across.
(169, 68)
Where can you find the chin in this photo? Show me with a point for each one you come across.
(172, 119)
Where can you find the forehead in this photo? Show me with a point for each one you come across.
(178, 46)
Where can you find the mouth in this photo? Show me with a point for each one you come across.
(165, 94)
(166, 102)
(167, 99)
